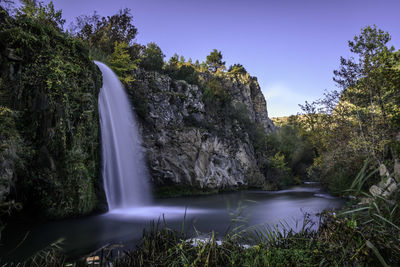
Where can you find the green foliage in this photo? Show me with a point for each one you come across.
(295, 151)
(279, 168)
(102, 33)
(173, 62)
(153, 58)
(121, 63)
(44, 14)
(214, 61)
(361, 121)
(237, 69)
(54, 91)
(216, 94)
(186, 73)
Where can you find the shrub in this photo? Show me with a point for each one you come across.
(186, 73)
(153, 58)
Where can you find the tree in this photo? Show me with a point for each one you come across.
(370, 82)
(237, 69)
(214, 60)
(102, 33)
(121, 63)
(153, 58)
(361, 120)
(197, 64)
(173, 62)
(43, 13)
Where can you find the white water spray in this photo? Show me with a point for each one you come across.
(124, 168)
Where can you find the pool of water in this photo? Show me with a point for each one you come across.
(204, 213)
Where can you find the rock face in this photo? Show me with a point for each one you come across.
(191, 141)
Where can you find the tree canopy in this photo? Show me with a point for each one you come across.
(214, 60)
(103, 32)
(153, 58)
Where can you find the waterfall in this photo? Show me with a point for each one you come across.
(124, 170)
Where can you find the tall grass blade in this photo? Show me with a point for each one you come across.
(376, 252)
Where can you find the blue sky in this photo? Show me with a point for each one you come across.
(292, 46)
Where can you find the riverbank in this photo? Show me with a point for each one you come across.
(219, 213)
(363, 235)
(341, 240)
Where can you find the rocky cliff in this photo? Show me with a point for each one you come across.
(202, 135)
(49, 133)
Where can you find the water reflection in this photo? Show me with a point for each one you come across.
(206, 213)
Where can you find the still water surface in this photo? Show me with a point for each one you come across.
(205, 213)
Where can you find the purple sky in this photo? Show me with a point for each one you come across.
(292, 46)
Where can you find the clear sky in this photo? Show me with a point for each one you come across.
(292, 46)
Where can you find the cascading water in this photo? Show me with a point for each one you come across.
(124, 168)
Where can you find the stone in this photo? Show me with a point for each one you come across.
(186, 145)
(376, 191)
(384, 188)
(396, 172)
(383, 172)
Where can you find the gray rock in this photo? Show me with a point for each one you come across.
(397, 170)
(383, 172)
(186, 145)
(384, 188)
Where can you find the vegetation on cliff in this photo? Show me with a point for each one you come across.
(49, 130)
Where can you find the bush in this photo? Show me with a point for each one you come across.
(186, 73)
(215, 94)
(153, 58)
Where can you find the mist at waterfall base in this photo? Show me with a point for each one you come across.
(124, 170)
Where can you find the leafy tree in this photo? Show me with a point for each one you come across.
(370, 83)
(197, 64)
(173, 62)
(237, 69)
(186, 73)
(214, 60)
(153, 58)
(136, 51)
(121, 63)
(44, 13)
(103, 32)
(203, 67)
(361, 120)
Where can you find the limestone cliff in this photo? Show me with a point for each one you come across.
(198, 140)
